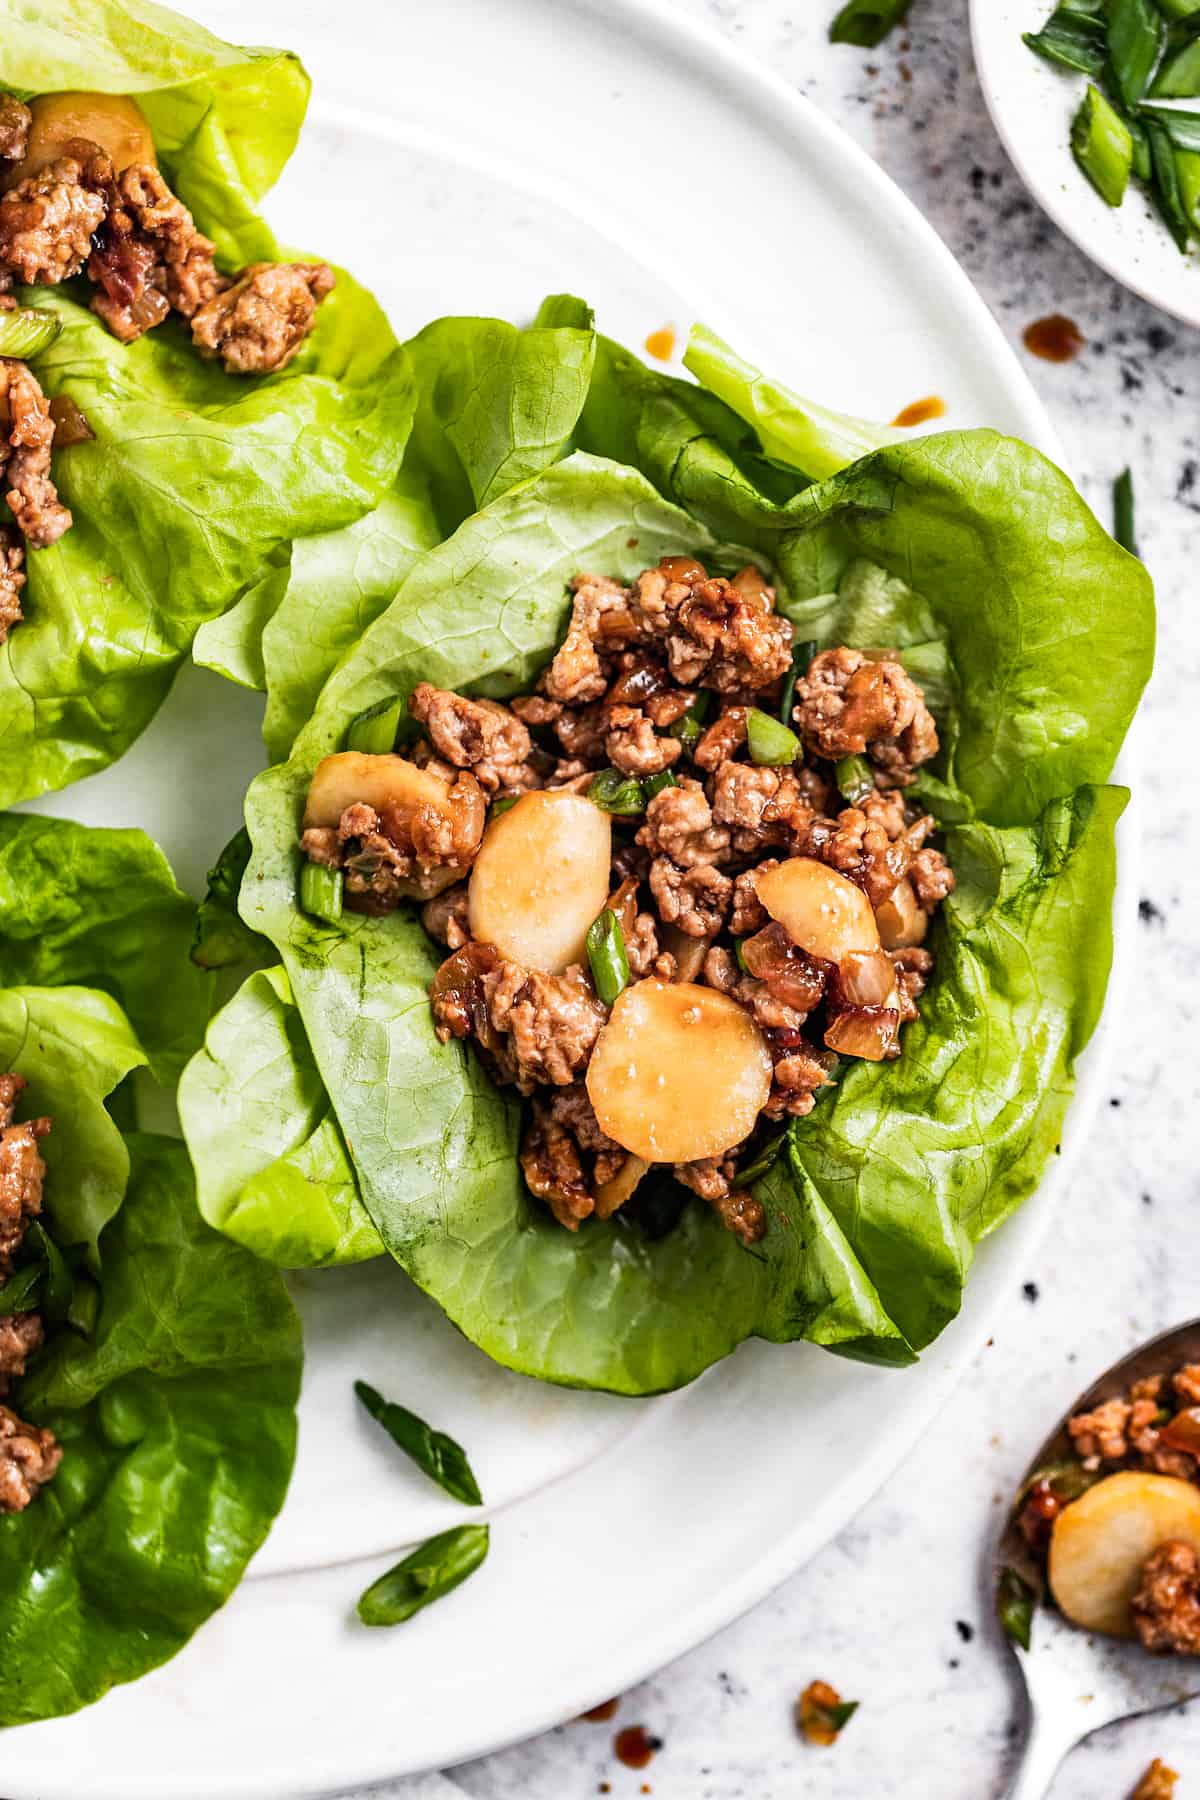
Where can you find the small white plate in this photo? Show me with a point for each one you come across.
(1032, 103)
(473, 155)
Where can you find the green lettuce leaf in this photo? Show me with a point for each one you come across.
(74, 1046)
(178, 1430)
(272, 1170)
(86, 907)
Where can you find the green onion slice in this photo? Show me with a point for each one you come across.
(374, 731)
(1123, 512)
(614, 792)
(1102, 145)
(1015, 1601)
(770, 742)
(654, 784)
(802, 655)
(427, 1574)
(606, 954)
(27, 331)
(690, 728)
(855, 779)
(442, 1459)
(321, 892)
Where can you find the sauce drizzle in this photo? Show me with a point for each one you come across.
(662, 343)
(1055, 338)
(932, 407)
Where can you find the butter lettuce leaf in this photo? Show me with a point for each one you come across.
(177, 1422)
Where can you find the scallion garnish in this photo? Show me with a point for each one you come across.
(690, 728)
(1136, 34)
(1102, 145)
(770, 742)
(1166, 190)
(321, 892)
(654, 784)
(867, 22)
(1179, 76)
(374, 731)
(1074, 39)
(425, 1575)
(606, 954)
(1015, 1601)
(26, 331)
(442, 1459)
(855, 779)
(503, 805)
(615, 792)
(802, 655)
(1123, 512)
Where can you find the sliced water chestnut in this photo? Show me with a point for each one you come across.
(62, 121)
(1100, 1543)
(822, 911)
(540, 879)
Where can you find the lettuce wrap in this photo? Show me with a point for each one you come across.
(1032, 634)
(196, 480)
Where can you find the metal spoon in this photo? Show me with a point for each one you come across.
(1077, 1682)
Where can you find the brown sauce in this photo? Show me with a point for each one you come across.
(596, 1715)
(635, 1747)
(921, 411)
(1055, 338)
(662, 343)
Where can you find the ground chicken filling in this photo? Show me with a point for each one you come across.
(84, 198)
(1152, 1430)
(734, 886)
(29, 1457)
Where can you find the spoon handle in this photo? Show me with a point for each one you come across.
(1045, 1746)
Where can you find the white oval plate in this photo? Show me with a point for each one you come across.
(472, 156)
(1032, 104)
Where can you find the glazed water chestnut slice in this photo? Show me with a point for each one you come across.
(540, 879)
(113, 121)
(900, 920)
(822, 911)
(1101, 1541)
(679, 1072)
(352, 777)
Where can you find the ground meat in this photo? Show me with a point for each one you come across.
(445, 917)
(800, 1073)
(20, 1335)
(576, 676)
(22, 1171)
(149, 256)
(862, 849)
(581, 731)
(552, 1021)
(25, 458)
(47, 222)
(932, 879)
(716, 636)
(29, 1458)
(257, 325)
(1186, 1383)
(1158, 1783)
(405, 852)
(567, 1159)
(15, 120)
(912, 968)
(851, 705)
(1099, 1436)
(12, 580)
(679, 825)
(480, 735)
(633, 746)
(763, 807)
(1166, 1607)
(747, 913)
(713, 1180)
(696, 899)
(642, 948)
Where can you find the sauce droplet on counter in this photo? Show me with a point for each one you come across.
(662, 343)
(932, 407)
(596, 1715)
(635, 1747)
(1055, 338)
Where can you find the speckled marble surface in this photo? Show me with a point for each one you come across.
(892, 1612)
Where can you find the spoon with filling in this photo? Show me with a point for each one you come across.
(1097, 1572)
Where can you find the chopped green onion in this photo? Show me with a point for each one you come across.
(56, 1290)
(855, 779)
(1136, 33)
(690, 728)
(321, 892)
(1179, 76)
(1102, 145)
(770, 742)
(766, 1159)
(742, 964)
(606, 954)
(425, 1575)
(442, 1459)
(1015, 1601)
(1123, 512)
(1166, 190)
(839, 1715)
(1187, 172)
(802, 655)
(867, 22)
(26, 331)
(1072, 39)
(1183, 128)
(614, 792)
(503, 805)
(374, 731)
(654, 784)
(19, 1293)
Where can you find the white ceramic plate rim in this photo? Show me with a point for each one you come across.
(1031, 104)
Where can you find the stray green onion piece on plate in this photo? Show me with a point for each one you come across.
(855, 779)
(321, 892)
(26, 331)
(1102, 145)
(1123, 512)
(867, 22)
(771, 743)
(426, 1574)
(441, 1457)
(606, 954)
